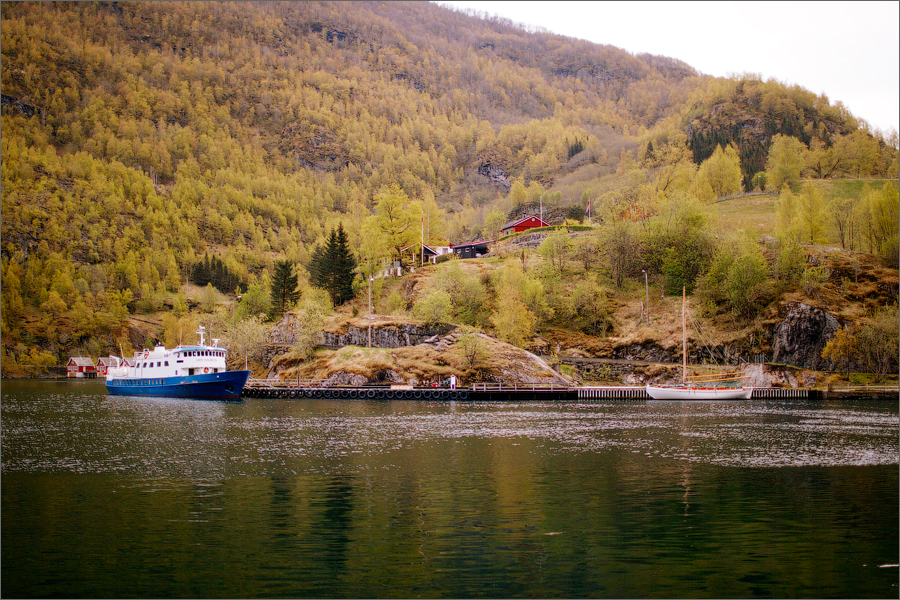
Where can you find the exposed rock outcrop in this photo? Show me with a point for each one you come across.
(799, 339)
(408, 353)
(495, 174)
(386, 336)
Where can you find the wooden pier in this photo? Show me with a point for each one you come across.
(481, 392)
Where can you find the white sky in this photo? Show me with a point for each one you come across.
(848, 50)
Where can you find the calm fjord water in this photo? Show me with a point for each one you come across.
(108, 496)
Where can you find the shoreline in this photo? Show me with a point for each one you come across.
(873, 392)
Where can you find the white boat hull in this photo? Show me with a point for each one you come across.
(698, 393)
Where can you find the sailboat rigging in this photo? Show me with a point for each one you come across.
(698, 388)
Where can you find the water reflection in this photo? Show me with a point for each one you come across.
(107, 496)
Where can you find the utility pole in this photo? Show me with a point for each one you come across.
(647, 294)
(370, 311)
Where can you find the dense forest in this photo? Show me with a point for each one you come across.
(147, 145)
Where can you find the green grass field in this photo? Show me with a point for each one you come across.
(757, 214)
(754, 214)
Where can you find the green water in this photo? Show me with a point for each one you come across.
(107, 496)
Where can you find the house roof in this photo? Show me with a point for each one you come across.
(472, 244)
(428, 249)
(525, 218)
(81, 361)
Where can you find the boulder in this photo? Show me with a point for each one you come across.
(801, 336)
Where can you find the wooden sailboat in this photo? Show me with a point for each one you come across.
(698, 388)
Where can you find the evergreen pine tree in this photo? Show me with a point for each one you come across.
(200, 275)
(284, 287)
(344, 267)
(332, 267)
(329, 267)
(316, 261)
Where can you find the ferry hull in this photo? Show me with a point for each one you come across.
(226, 385)
(698, 393)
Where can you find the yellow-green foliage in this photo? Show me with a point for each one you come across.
(140, 137)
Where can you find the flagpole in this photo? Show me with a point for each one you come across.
(422, 259)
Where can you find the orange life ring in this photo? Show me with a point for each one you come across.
(146, 353)
(206, 370)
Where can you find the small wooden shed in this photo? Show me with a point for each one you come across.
(473, 250)
(103, 363)
(81, 367)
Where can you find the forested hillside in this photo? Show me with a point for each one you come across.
(141, 139)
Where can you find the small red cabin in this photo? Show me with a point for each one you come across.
(81, 367)
(103, 363)
(524, 224)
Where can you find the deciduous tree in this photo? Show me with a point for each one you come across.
(811, 207)
(309, 319)
(512, 320)
(395, 221)
(720, 174)
(784, 162)
(556, 248)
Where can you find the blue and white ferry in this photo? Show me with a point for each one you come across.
(184, 372)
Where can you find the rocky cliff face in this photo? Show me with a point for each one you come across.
(386, 333)
(799, 339)
(390, 336)
(496, 175)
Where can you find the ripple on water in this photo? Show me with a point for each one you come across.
(82, 433)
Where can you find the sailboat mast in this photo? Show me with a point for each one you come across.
(684, 334)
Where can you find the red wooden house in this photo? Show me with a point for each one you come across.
(523, 224)
(103, 363)
(81, 367)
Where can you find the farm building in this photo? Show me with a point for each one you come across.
(81, 367)
(473, 250)
(430, 253)
(524, 224)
